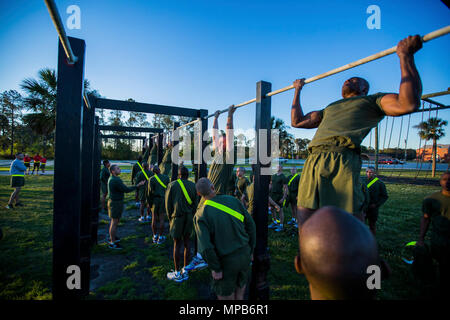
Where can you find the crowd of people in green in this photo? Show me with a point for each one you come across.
(329, 204)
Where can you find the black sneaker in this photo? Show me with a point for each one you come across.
(9, 206)
(115, 246)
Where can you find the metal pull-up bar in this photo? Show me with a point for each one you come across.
(54, 14)
(430, 36)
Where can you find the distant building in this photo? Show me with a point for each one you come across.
(442, 154)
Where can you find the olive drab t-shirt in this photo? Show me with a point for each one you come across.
(220, 172)
(251, 197)
(104, 175)
(437, 206)
(241, 186)
(166, 163)
(116, 188)
(177, 204)
(278, 180)
(219, 233)
(293, 183)
(345, 123)
(155, 189)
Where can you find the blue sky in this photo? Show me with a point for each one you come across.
(210, 54)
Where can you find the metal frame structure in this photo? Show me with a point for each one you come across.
(77, 191)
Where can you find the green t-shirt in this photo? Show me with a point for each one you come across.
(377, 192)
(278, 180)
(134, 171)
(104, 175)
(166, 163)
(220, 172)
(345, 123)
(241, 186)
(155, 189)
(117, 189)
(293, 183)
(437, 206)
(219, 233)
(176, 202)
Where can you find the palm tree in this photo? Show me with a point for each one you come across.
(41, 101)
(433, 129)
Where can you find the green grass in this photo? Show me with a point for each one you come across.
(26, 251)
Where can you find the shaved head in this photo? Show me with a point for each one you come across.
(335, 251)
(355, 86)
(204, 187)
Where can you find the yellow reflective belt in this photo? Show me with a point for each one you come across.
(17, 175)
(372, 182)
(160, 182)
(292, 179)
(142, 170)
(184, 191)
(223, 208)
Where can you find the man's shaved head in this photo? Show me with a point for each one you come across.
(204, 187)
(335, 251)
(355, 86)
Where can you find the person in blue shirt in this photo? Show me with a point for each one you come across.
(17, 172)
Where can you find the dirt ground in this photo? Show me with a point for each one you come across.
(116, 273)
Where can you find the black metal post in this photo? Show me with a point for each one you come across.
(160, 148)
(96, 164)
(67, 181)
(259, 287)
(174, 143)
(87, 152)
(201, 169)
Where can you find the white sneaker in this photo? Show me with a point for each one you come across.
(141, 219)
(177, 276)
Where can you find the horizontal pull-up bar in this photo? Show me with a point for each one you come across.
(114, 136)
(430, 36)
(129, 129)
(436, 94)
(188, 124)
(54, 15)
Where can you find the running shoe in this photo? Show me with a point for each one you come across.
(292, 221)
(148, 218)
(161, 240)
(115, 246)
(196, 263)
(273, 225)
(9, 206)
(155, 238)
(142, 219)
(177, 276)
(279, 228)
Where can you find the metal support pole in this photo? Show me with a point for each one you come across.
(96, 165)
(259, 287)
(67, 181)
(174, 143)
(87, 152)
(201, 169)
(160, 148)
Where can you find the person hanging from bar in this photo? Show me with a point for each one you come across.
(134, 171)
(156, 190)
(144, 174)
(166, 163)
(221, 168)
(116, 191)
(226, 236)
(332, 170)
(17, 171)
(377, 197)
(181, 202)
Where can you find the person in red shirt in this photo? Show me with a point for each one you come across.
(37, 162)
(26, 162)
(43, 162)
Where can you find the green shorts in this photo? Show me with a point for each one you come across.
(158, 207)
(291, 200)
(142, 193)
(181, 226)
(17, 182)
(372, 214)
(236, 272)
(36, 165)
(331, 179)
(277, 197)
(115, 208)
(104, 188)
(27, 165)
